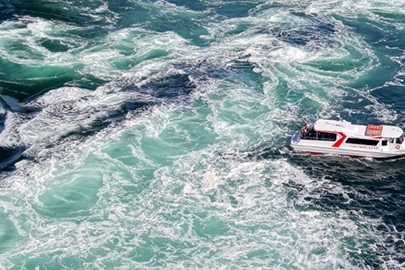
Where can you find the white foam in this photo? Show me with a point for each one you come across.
(380, 110)
(179, 172)
(9, 136)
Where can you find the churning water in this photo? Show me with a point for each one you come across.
(141, 134)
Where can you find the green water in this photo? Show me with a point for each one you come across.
(155, 134)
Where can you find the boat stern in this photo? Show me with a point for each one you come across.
(296, 138)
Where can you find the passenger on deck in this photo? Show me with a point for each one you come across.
(311, 132)
(304, 128)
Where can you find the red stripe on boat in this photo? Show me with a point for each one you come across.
(315, 153)
(340, 141)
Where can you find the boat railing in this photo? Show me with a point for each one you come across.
(316, 136)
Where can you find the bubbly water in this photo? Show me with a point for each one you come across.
(141, 134)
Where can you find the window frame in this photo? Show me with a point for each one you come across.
(358, 141)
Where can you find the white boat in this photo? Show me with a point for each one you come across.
(339, 137)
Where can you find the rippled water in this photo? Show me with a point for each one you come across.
(154, 134)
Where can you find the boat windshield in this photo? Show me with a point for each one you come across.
(400, 140)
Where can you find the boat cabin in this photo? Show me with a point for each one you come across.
(355, 136)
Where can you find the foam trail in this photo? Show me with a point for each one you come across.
(161, 140)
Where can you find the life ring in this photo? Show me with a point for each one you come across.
(397, 147)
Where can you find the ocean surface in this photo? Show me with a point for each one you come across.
(142, 134)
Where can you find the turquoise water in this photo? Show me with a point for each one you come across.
(154, 134)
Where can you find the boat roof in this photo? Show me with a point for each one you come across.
(369, 130)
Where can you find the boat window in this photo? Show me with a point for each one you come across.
(400, 139)
(384, 143)
(325, 136)
(362, 141)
